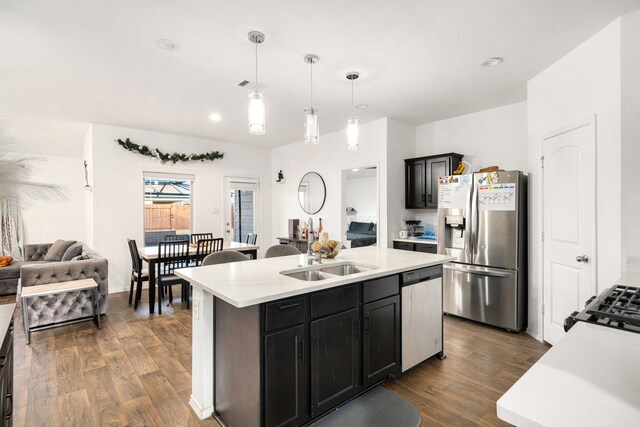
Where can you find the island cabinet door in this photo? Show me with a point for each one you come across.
(285, 377)
(380, 340)
(335, 360)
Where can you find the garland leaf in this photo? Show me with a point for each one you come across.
(174, 158)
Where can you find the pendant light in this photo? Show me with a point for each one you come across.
(257, 125)
(352, 123)
(311, 127)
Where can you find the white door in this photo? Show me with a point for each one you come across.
(569, 205)
(242, 208)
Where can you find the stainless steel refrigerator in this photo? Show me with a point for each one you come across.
(482, 221)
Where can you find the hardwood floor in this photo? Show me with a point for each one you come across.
(136, 371)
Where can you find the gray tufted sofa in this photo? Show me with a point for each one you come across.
(64, 307)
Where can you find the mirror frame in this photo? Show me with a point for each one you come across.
(324, 196)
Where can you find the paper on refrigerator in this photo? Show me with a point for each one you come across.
(453, 191)
(497, 197)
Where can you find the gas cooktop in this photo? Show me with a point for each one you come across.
(617, 307)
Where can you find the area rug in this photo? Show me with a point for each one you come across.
(376, 408)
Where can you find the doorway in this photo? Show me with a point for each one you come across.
(569, 223)
(360, 206)
(242, 208)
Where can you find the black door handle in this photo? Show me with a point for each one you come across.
(9, 399)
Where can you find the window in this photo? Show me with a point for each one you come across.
(167, 206)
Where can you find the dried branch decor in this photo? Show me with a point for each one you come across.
(166, 157)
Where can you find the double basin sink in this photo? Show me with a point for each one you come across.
(321, 272)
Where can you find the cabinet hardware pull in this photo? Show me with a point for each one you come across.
(366, 324)
(357, 328)
(3, 360)
(301, 349)
(10, 406)
(284, 307)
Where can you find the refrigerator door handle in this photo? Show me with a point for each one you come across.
(482, 271)
(468, 232)
(474, 221)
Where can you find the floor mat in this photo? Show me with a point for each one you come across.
(376, 408)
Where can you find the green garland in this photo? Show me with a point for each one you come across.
(166, 157)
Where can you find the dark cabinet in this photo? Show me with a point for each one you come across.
(380, 340)
(6, 367)
(421, 178)
(428, 248)
(416, 192)
(335, 360)
(285, 377)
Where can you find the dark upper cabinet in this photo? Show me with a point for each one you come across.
(421, 178)
(335, 360)
(380, 340)
(416, 192)
(285, 377)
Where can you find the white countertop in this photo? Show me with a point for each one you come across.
(247, 283)
(591, 377)
(416, 240)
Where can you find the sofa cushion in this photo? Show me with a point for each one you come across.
(57, 250)
(73, 251)
(11, 271)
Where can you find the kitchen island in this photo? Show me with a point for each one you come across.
(276, 341)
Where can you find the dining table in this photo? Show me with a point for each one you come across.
(149, 254)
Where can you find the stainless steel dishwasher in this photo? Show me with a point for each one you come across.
(422, 334)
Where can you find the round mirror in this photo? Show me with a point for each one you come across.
(312, 193)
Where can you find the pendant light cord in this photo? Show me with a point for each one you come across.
(352, 110)
(312, 84)
(256, 67)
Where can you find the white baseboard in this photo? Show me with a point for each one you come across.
(202, 413)
(535, 334)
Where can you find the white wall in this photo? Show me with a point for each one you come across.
(118, 188)
(56, 161)
(497, 136)
(362, 195)
(630, 196)
(401, 140)
(46, 221)
(583, 83)
(486, 138)
(328, 158)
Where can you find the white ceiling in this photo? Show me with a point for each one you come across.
(67, 63)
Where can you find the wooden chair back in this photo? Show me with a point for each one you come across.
(136, 262)
(172, 255)
(251, 239)
(176, 238)
(206, 246)
(195, 237)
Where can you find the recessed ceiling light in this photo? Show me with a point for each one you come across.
(362, 106)
(166, 44)
(215, 117)
(355, 170)
(491, 62)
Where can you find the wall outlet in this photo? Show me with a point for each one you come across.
(195, 309)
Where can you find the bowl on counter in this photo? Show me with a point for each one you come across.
(326, 249)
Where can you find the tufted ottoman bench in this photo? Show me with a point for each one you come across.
(60, 298)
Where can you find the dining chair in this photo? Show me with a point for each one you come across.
(197, 236)
(172, 255)
(251, 239)
(176, 238)
(281, 250)
(138, 274)
(224, 257)
(206, 246)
